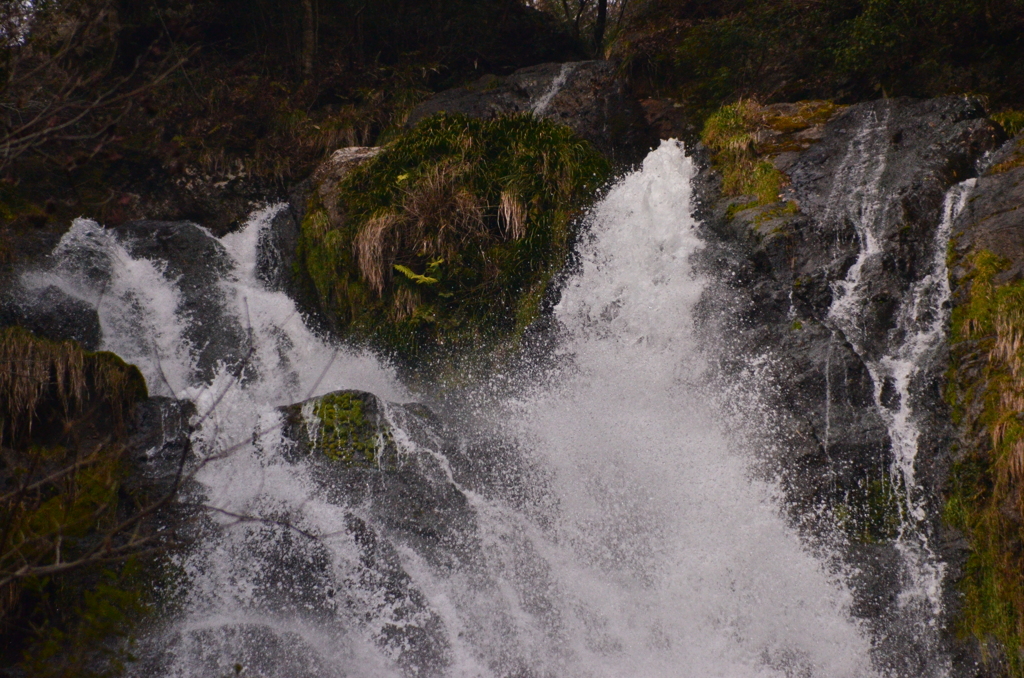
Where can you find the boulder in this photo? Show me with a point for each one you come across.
(382, 460)
(53, 314)
(588, 96)
(197, 261)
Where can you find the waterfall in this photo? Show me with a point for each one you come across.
(541, 106)
(899, 368)
(615, 527)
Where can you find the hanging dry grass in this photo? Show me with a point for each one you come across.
(30, 370)
(512, 216)
(375, 246)
(443, 214)
(33, 370)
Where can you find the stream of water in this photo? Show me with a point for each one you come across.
(619, 533)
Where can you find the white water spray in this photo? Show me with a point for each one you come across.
(643, 546)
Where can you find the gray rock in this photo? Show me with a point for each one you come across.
(993, 218)
(197, 261)
(775, 273)
(588, 96)
(53, 314)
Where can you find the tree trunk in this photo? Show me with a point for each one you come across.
(599, 24)
(308, 38)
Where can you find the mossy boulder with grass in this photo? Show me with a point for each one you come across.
(752, 145)
(450, 236)
(70, 512)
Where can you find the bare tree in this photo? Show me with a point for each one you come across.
(308, 37)
(59, 83)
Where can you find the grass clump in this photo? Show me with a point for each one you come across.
(452, 233)
(742, 134)
(986, 392)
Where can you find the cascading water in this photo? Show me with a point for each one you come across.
(557, 83)
(899, 369)
(616, 532)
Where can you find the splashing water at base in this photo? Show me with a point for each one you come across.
(636, 545)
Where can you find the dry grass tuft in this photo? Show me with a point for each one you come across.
(30, 370)
(34, 370)
(443, 215)
(375, 246)
(512, 215)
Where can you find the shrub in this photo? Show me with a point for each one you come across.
(1012, 121)
(66, 521)
(452, 233)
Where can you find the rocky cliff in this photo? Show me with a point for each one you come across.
(833, 296)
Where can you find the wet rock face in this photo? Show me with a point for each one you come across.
(351, 436)
(778, 271)
(51, 313)
(381, 460)
(993, 218)
(587, 96)
(197, 260)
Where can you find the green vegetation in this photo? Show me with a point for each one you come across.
(452, 233)
(729, 133)
(742, 134)
(339, 429)
(705, 54)
(986, 392)
(1012, 121)
(67, 595)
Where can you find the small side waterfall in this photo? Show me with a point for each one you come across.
(541, 105)
(901, 362)
(599, 521)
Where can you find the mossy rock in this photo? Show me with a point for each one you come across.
(344, 426)
(66, 420)
(748, 140)
(44, 383)
(984, 498)
(449, 237)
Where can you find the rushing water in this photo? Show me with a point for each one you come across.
(899, 369)
(636, 544)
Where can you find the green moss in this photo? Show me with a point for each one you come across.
(777, 211)
(872, 512)
(487, 206)
(1012, 121)
(986, 392)
(337, 426)
(730, 134)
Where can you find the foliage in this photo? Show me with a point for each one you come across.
(63, 425)
(476, 217)
(986, 391)
(1012, 121)
(706, 54)
(741, 134)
